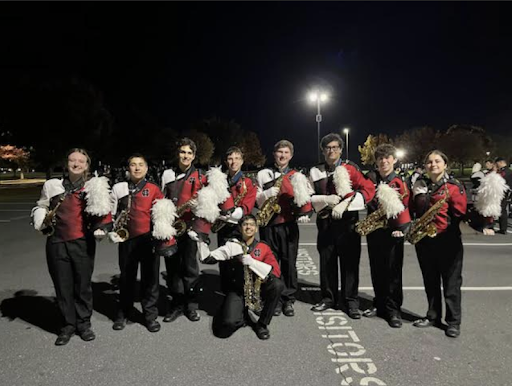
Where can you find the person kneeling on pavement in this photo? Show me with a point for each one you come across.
(252, 281)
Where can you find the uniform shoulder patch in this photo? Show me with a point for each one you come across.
(459, 184)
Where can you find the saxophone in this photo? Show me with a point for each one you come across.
(270, 207)
(424, 226)
(122, 221)
(179, 224)
(252, 287)
(50, 220)
(219, 224)
(374, 221)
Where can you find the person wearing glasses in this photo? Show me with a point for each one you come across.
(341, 190)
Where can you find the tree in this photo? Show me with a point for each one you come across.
(251, 147)
(15, 155)
(205, 146)
(417, 143)
(367, 151)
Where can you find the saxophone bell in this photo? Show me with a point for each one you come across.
(123, 234)
(180, 226)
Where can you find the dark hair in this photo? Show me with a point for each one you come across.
(330, 138)
(248, 217)
(187, 142)
(385, 150)
(489, 160)
(83, 152)
(136, 155)
(439, 153)
(500, 159)
(234, 149)
(283, 143)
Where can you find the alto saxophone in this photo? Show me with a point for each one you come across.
(50, 220)
(252, 287)
(122, 221)
(179, 224)
(374, 221)
(219, 224)
(424, 226)
(270, 207)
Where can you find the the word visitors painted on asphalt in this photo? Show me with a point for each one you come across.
(305, 264)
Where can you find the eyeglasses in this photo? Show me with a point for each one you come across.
(332, 148)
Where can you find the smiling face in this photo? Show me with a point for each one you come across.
(332, 152)
(386, 165)
(234, 162)
(77, 165)
(185, 157)
(249, 228)
(282, 156)
(138, 169)
(436, 166)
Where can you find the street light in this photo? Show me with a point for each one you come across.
(400, 153)
(346, 130)
(318, 97)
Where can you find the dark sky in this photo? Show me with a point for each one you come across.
(389, 66)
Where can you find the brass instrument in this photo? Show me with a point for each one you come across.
(50, 220)
(270, 207)
(219, 224)
(424, 226)
(122, 221)
(179, 224)
(374, 221)
(252, 286)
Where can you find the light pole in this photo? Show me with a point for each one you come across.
(346, 130)
(318, 97)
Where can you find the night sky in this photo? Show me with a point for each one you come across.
(389, 66)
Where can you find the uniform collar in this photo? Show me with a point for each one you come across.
(136, 187)
(331, 168)
(234, 180)
(388, 178)
(73, 187)
(282, 171)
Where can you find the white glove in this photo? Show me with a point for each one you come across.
(193, 235)
(247, 260)
(236, 215)
(114, 237)
(397, 234)
(338, 210)
(303, 219)
(202, 251)
(38, 215)
(193, 203)
(332, 200)
(99, 234)
(320, 201)
(271, 192)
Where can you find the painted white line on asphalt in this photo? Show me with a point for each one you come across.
(421, 289)
(19, 218)
(5, 220)
(15, 210)
(465, 244)
(17, 203)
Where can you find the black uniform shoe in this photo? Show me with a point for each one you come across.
(452, 331)
(63, 338)
(370, 312)
(424, 322)
(354, 313)
(288, 309)
(262, 331)
(172, 315)
(278, 310)
(395, 321)
(87, 335)
(322, 306)
(192, 315)
(153, 326)
(119, 324)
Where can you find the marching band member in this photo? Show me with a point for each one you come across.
(439, 203)
(73, 212)
(143, 229)
(246, 257)
(386, 244)
(290, 190)
(199, 198)
(504, 171)
(341, 190)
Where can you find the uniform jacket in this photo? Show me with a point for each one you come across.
(237, 185)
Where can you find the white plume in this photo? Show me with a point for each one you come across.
(218, 181)
(97, 196)
(163, 214)
(302, 190)
(390, 200)
(342, 181)
(489, 195)
(207, 204)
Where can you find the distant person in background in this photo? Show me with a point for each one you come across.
(489, 166)
(504, 171)
(476, 175)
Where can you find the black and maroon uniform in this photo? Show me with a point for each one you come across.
(282, 232)
(139, 248)
(503, 220)
(338, 244)
(232, 314)
(440, 258)
(71, 249)
(386, 253)
(183, 268)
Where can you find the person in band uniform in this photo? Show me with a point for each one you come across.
(282, 231)
(341, 190)
(202, 198)
(260, 259)
(81, 213)
(504, 171)
(386, 245)
(440, 257)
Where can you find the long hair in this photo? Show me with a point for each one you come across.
(83, 152)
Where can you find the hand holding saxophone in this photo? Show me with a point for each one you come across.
(115, 238)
